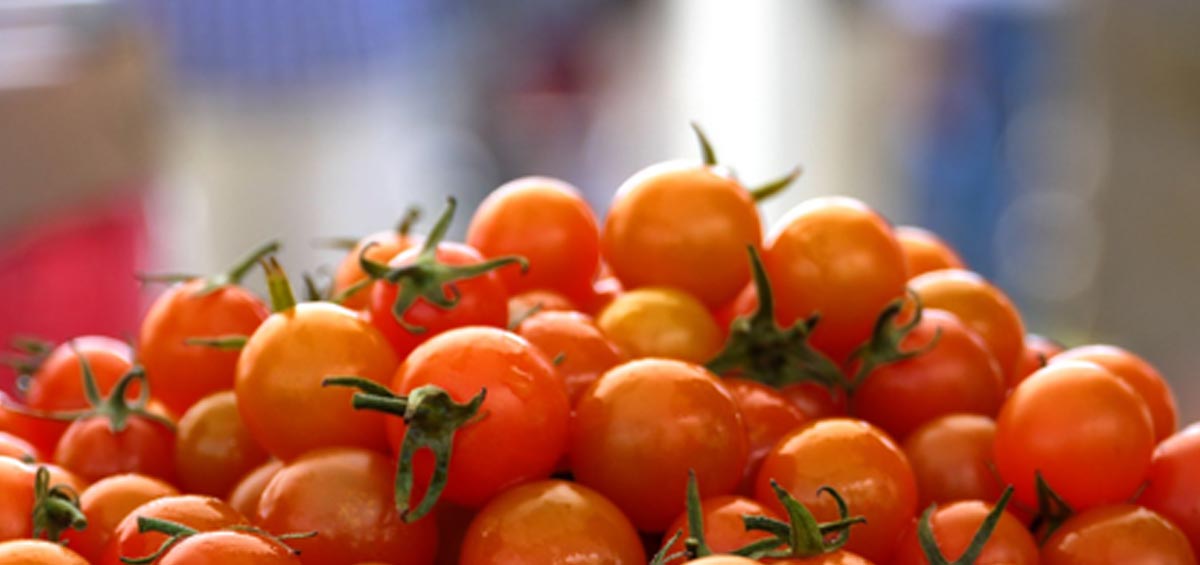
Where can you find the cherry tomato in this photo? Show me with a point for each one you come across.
(952, 459)
(380, 247)
(604, 291)
(662, 418)
(860, 462)
(724, 530)
(37, 552)
(1117, 534)
(17, 490)
(661, 322)
(767, 414)
(521, 305)
(684, 225)
(345, 495)
(1067, 421)
(546, 221)
(982, 307)
(1173, 490)
(201, 513)
(17, 448)
(840, 557)
(244, 496)
(214, 449)
(524, 432)
(95, 447)
(228, 548)
(835, 257)
(956, 524)
(281, 369)
(955, 374)
(551, 522)
(1140, 375)
(106, 503)
(1037, 352)
(573, 341)
(815, 400)
(924, 251)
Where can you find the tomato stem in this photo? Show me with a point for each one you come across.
(802, 535)
(662, 557)
(706, 150)
(929, 544)
(695, 544)
(410, 218)
(55, 508)
(770, 188)
(520, 318)
(230, 342)
(884, 345)
(1052, 512)
(278, 287)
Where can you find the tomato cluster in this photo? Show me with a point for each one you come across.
(665, 386)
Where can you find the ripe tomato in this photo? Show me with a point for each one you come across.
(214, 449)
(1037, 352)
(836, 257)
(380, 247)
(723, 527)
(1140, 375)
(520, 305)
(37, 552)
(661, 322)
(1117, 534)
(982, 307)
(662, 418)
(551, 522)
(956, 375)
(106, 503)
(244, 496)
(955, 525)
(684, 225)
(924, 251)
(201, 513)
(546, 221)
(17, 489)
(228, 548)
(17, 448)
(1173, 490)
(815, 400)
(1066, 421)
(281, 369)
(767, 414)
(524, 431)
(345, 495)
(860, 462)
(581, 350)
(951, 458)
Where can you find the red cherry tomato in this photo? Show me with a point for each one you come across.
(952, 459)
(815, 400)
(1037, 352)
(768, 416)
(1117, 534)
(956, 524)
(724, 530)
(201, 513)
(106, 503)
(214, 449)
(17, 448)
(17, 488)
(1140, 375)
(924, 251)
(244, 496)
(91, 448)
(573, 341)
(1173, 490)
(229, 548)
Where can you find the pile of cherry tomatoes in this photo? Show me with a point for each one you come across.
(667, 386)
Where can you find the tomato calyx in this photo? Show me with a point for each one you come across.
(55, 508)
(765, 352)
(426, 277)
(26, 357)
(1052, 511)
(801, 535)
(759, 193)
(233, 276)
(432, 418)
(884, 345)
(177, 532)
(279, 289)
(929, 544)
(403, 227)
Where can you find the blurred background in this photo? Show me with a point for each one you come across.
(1053, 143)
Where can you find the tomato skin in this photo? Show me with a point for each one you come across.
(683, 225)
(228, 548)
(953, 527)
(982, 307)
(816, 401)
(840, 557)
(956, 375)
(661, 417)
(1117, 534)
(1173, 490)
(528, 414)
(345, 494)
(180, 374)
(544, 300)
(549, 223)
(661, 322)
(16, 486)
(92, 450)
(106, 503)
(201, 513)
(767, 415)
(17, 448)
(1037, 352)
(924, 251)
(1066, 421)
(384, 245)
(604, 291)
(37, 552)
(858, 460)
(723, 527)
(1137, 373)
(483, 301)
(837, 257)
(952, 460)
(281, 369)
(245, 495)
(586, 352)
(214, 449)
(551, 522)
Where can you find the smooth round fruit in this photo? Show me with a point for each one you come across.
(661, 322)
(228, 548)
(815, 400)
(924, 251)
(1125, 534)
(17, 492)
(767, 415)
(1173, 490)
(955, 525)
(201, 513)
(214, 449)
(17, 448)
(723, 527)
(951, 458)
(92, 450)
(37, 552)
(106, 503)
(1137, 373)
(582, 351)
(520, 305)
(244, 496)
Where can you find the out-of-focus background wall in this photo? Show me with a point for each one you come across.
(1053, 143)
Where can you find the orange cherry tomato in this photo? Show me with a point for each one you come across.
(17, 448)
(520, 305)
(956, 524)
(551, 522)
(106, 503)
(1038, 351)
(582, 352)
(214, 449)
(858, 460)
(38, 552)
(815, 400)
(244, 497)
(952, 459)
(836, 257)
(723, 527)
(228, 548)
(200, 513)
(768, 416)
(281, 369)
(380, 247)
(662, 418)
(1137, 373)
(1117, 534)
(546, 221)
(17, 488)
(661, 322)
(1173, 490)
(924, 251)
(346, 496)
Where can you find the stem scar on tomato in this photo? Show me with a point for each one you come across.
(929, 543)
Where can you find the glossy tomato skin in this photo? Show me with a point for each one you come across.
(344, 494)
(483, 301)
(214, 449)
(551, 522)
(982, 307)
(181, 374)
(836, 257)
(661, 322)
(228, 548)
(858, 460)
(683, 225)
(519, 305)
(16, 447)
(106, 503)
(1066, 421)
(816, 401)
(1173, 490)
(1117, 534)
(384, 245)
(955, 525)
(924, 251)
(246, 493)
(281, 369)
(585, 352)
(767, 415)
(201, 513)
(1137, 373)
(1037, 352)
(547, 222)
(37, 552)
(527, 411)
(956, 375)
(92, 450)
(723, 527)
(661, 417)
(952, 460)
